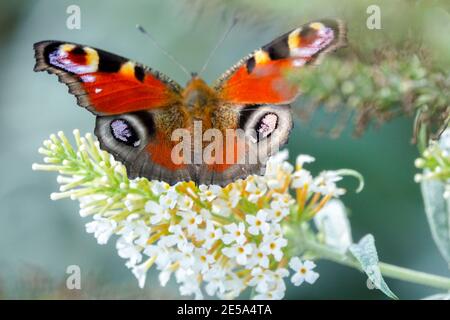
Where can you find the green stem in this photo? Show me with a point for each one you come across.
(325, 252)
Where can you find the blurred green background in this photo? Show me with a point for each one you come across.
(39, 238)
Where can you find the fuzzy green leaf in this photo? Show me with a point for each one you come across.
(366, 254)
(437, 209)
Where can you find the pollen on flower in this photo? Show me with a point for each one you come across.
(210, 240)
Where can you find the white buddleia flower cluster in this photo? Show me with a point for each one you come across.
(211, 240)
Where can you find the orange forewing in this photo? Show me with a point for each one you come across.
(265, 84)
(261, 77)
(115, 93)
(103, 82)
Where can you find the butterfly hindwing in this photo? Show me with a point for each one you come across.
(142, 142)
(260, 78)
(257, 131)
(103, 82)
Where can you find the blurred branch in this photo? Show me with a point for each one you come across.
(388, 270)
(377, 93)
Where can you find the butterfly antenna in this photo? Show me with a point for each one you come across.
(213, 51)
(168, 55)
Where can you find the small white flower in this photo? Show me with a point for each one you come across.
(191, 286)
(168, 200)
(163, 255)
(277, 211)
(127, 250)
(220, 207)
(185, 258)
(275, 230)
(176, 237)
(325, 183)
(214, 278)
(158, 211)
(238, 251)
(276, 166)
(258, 223)
(203, 260)
(283, 199)
(134, 230)
(273, 245)
(261, 279)
(304, 158)
(256, 189)
(279, 157)
(233, 286)
(209, 193)
(303, 271)
(211, 234)
(159, 187)
(234, 197)
(259, 258)
(185, 203)
(301, 178)
(141, 232)
(191, 221)
(102, 228)
(205, 213)
(276, 286)
(140, 272)
(235, 233)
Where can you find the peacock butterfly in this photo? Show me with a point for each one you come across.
(138, 109)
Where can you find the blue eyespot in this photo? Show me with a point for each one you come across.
(123, 132)
(266, 125)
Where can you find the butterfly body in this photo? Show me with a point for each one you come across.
(139, 110)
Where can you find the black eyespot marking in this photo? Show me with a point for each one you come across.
(250, 64)
(266, 125)
(307, 32)
(139, 73)
(245, 114)
(278, 49)
(78, 51)
(147, 120)
(123, 132)
(50, 49)
(109, 62)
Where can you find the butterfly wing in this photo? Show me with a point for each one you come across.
(256, 91)
(103, 82)
(142, 142)
(137, 108)
(260, 77)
